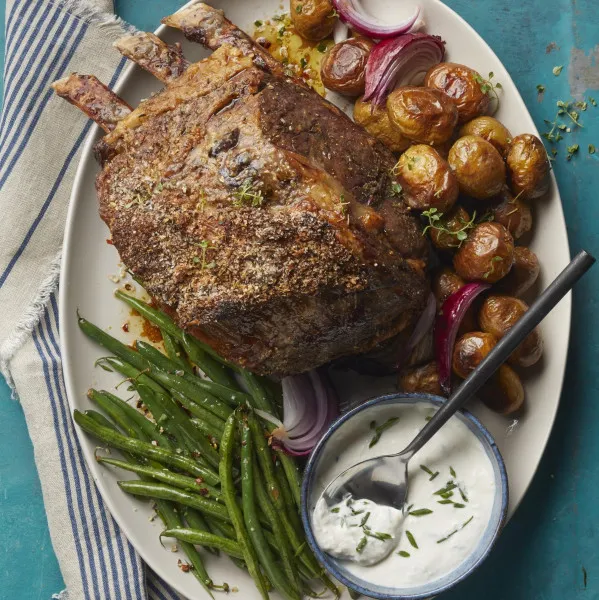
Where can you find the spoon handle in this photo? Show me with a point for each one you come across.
(539, 309)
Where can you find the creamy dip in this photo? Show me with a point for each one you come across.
(450, 500)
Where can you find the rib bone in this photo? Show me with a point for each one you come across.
(152, 54)
(96, 100)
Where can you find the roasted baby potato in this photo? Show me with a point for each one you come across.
(342, 69)
(489, 129)
(524, 273)
(487, 255)
(498, 315)
(314, 20)
(478, 166)
(528, 167)
(504, 394)
(514, 214)
(426, 179)
(463, 85)
(457, 221)
(470, 350)
(423, 379)
(423, 115)
(377, 122)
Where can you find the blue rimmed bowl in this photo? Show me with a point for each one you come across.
(340, 435)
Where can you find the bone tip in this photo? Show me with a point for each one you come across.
(60, 84)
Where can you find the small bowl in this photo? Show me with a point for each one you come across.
(311, 491)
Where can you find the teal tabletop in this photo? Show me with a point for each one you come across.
(550, 550)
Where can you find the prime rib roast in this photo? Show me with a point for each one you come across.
(253, 211)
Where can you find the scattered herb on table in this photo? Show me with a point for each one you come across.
(557, 70)
(379, 430)
(584, 577)
(455, 531)
(592, 149)
(540, 88)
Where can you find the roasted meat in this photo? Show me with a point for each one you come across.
(253, 211)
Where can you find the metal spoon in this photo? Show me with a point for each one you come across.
(384, 479)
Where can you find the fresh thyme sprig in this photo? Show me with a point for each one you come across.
(488, 86)
(248, 194)
(434, 222)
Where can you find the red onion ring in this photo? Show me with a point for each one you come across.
(399, 61)
(359, 20)
(447, 325)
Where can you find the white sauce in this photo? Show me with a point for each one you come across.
(396, 562)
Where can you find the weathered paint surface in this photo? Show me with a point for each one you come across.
(555, 533)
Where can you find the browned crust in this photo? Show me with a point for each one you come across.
(152, 54)
(96, 100)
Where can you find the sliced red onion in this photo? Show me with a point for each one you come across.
(309, 406)
(400, 61)
(422, 327)
(340, 32)
(447, 325)
(352, 12)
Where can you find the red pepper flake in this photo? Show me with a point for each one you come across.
(276, 494)
(204, 492)
(109, 242)
(126, 327)
(200, 480)
(185, 567)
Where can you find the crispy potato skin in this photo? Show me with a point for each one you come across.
(505, 392)
(487, 255)
(377, 122)
(423, 115)
(528, 167)
(478, 166)
(498, 314)
(525, 272)
(513, 213)
(426, 179)
(470, 350)
(454, 220)
(489, 129)
(422, 379)
(459, 83)
(313, 19)
(343, 68)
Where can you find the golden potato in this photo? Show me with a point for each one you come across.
(525, 272)
(423, 379)
(514, 214)
(343, 68)
(478, 166)
(314, 20)
(456, 220)
(463, 85)
(498, 315)
(377, 122)
(422, 115)
(487, 255)
(426, 179)
(489, 129)
(470, 350)
(504, 394)
(528, 167)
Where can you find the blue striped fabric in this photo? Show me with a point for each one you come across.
(43, 37)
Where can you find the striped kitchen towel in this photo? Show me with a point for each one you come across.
(40, 143)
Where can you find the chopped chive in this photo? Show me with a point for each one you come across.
(426, 469)
(458, 505)
(446, 495)
(335, 510)
(452, 471)
(444, 501)
(427, 419)
(420, 512)
(377, 534)
(364, 519)
(411, 539)
(372, 424)
(360, 547)
(404, 554)
(454, 531)
(463, 494)
(434, 476)
(356, 512)
(379, 430)
(450, 486)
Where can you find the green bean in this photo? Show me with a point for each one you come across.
(293, 477)
(196, 521)
(278, 540)
(221, 528)
(164, 322)
(149, 489)
(177, 480)
(175, 352)
(212, 368)
(228, 491)
(203, 538)
(100, 419)
(216, 423)
(259, 395)
(287, 496)
(136, 376)
(113, 411)
(206, 430)
(226, 394)
(136, 419)
(144, 449)
(285, 586)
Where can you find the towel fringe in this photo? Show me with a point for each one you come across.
(31, 318)
(87, 10)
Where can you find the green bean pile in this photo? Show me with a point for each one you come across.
(203, 457)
